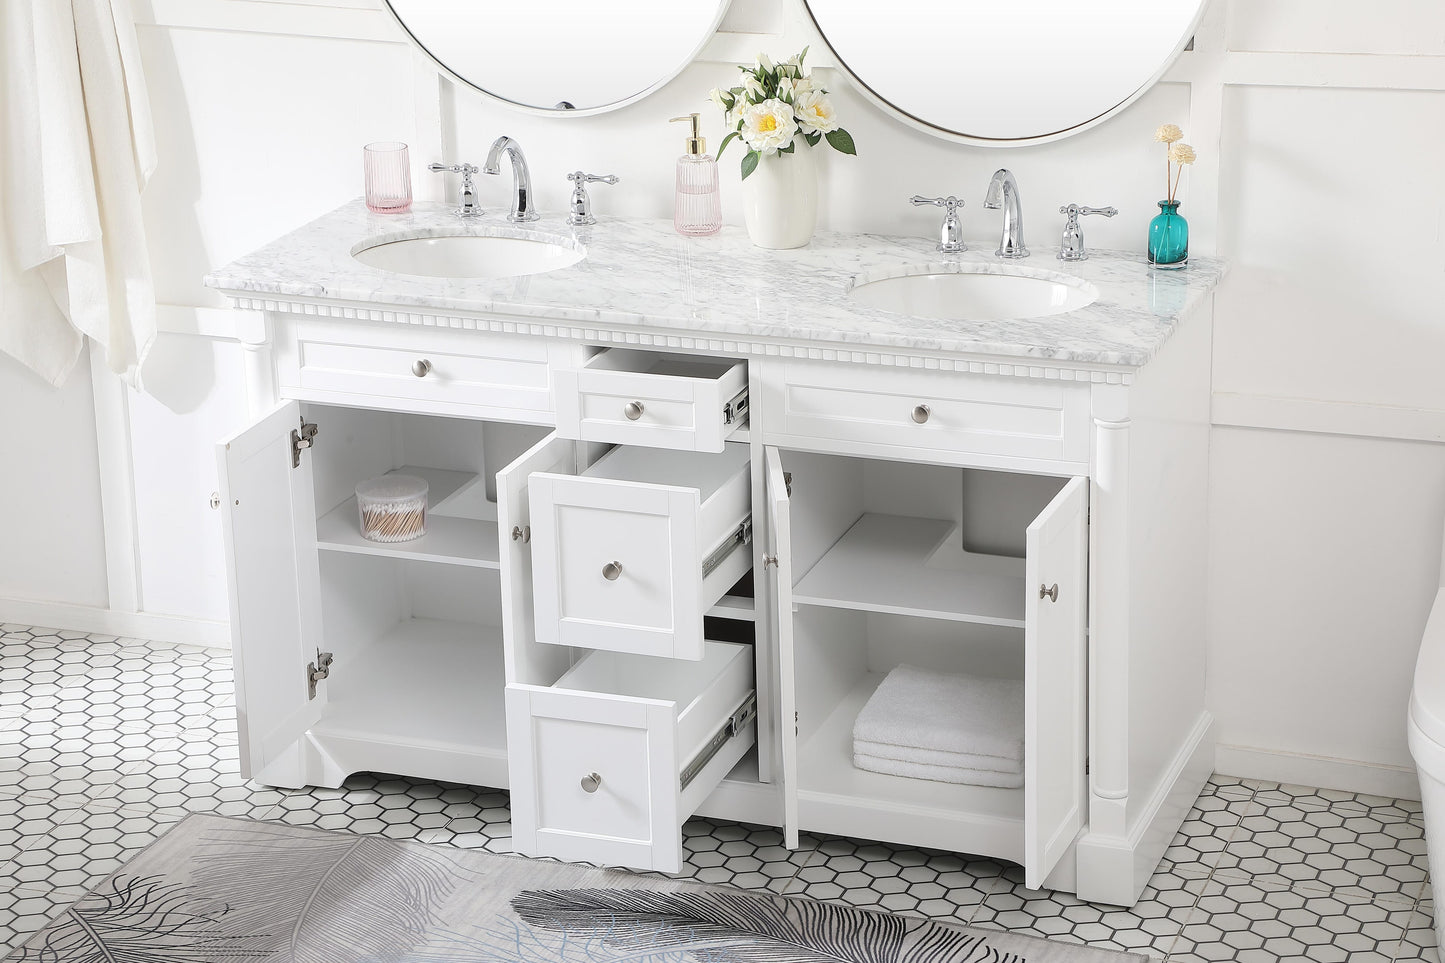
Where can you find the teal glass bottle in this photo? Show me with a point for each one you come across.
(1168, 237)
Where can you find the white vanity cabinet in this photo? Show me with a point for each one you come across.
(603, 491)
(358, 655)
(865, 581)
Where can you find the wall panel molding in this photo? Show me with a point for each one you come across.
(222, 323)
(1347, 71)
(321, 21)
(1241, 410)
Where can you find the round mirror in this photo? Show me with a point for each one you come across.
(1006, 72)
(561, 55)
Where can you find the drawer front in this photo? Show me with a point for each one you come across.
(558, 741)
(422, 369)
(605, 400)
(930, 410)
(616, 565)
(610, 778)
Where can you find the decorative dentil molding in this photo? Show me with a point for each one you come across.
(779, 348)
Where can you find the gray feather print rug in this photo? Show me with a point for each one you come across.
(235, 890)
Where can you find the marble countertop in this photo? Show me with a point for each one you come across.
(641, 275)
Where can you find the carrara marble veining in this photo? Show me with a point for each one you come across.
(640, 275)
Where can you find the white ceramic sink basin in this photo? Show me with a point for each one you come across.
(468, 255)
(964, 295)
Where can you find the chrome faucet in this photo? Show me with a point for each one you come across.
(1003, 191)
(522, 209)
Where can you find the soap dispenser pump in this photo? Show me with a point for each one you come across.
(698, 211)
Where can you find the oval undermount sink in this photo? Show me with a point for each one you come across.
(964, 295)
(469, 255)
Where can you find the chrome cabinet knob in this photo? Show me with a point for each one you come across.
(633, 411)
(921, 413)
(1050, 592)
(215, 499)
(591, 782)
(611, 571)
(421, 367)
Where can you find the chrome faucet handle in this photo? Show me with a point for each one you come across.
(467, 201)
(950, 235)
(1071, 248)
(581, 207)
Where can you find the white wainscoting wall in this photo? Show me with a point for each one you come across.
(1317, 123)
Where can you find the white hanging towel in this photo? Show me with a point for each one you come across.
(79, 147)
(945, 713)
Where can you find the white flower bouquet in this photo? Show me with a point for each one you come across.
(774, 106)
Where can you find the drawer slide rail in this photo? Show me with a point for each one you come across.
(736, 409)
(741, 536)
(736, 724)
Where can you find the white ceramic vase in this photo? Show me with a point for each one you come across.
(780, 199)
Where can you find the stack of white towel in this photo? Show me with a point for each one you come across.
(948, 728)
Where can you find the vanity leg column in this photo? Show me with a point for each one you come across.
(256, 341)
(1105, 858)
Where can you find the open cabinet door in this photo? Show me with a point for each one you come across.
(1055, 680)
(268, 512)
(779, 557)
(524, 661)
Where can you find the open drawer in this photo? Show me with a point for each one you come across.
(692, 403)
(608, 762)
(629, 554)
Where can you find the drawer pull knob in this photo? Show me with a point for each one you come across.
(1050, 592)
(421, 367)
(921, 413)
(633, 411)
(611, 571)
(590, 782)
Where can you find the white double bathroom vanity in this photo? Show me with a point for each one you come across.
(690, 501)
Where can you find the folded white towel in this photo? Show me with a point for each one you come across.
(948, 713)
(937, 757)
(953, 774)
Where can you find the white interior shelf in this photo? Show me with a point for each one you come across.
(461, 527)
(914, 566)
(827, 777)
(426, 683)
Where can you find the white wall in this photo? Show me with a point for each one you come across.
(1318, 124)
(51, 545)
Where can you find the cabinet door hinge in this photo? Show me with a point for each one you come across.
(302, 439)
(788, 483)
(318, 670)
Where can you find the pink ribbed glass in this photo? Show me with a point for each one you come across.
(388, 178)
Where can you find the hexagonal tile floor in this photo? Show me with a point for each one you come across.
(105, 742)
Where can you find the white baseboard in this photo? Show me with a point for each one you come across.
(133, 625)
(1323, 772)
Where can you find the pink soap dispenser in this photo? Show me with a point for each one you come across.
(698, 211)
